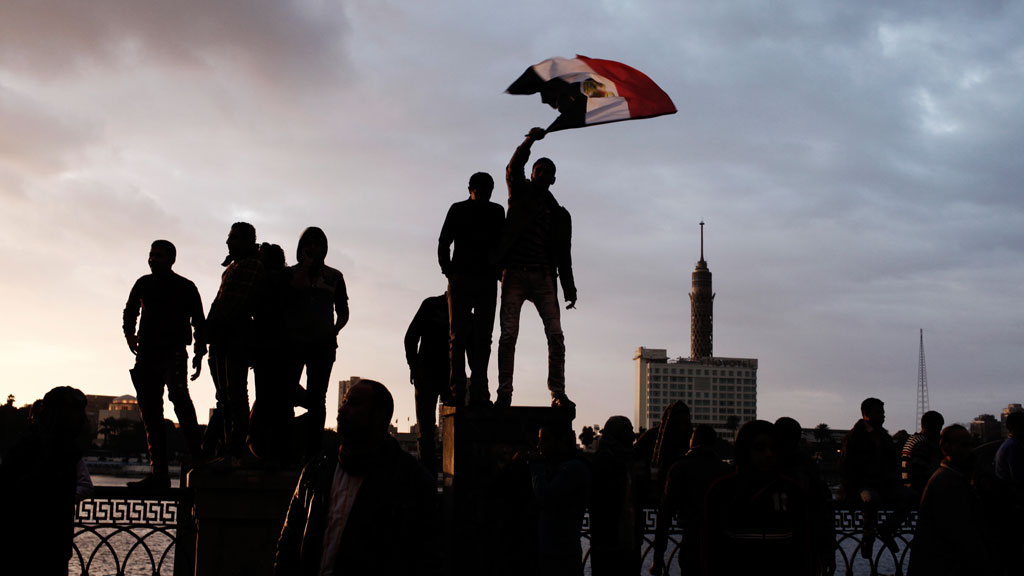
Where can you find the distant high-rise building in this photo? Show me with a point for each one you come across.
(343, 386)
(986, 428)
(716, 389)
(720, 391)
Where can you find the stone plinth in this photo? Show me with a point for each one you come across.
(239, 514)
(488, 524)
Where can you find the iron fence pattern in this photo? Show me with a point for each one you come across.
(851, 560)
(127, 533)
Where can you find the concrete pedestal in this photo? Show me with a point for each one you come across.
(488, 524)
(239, 514)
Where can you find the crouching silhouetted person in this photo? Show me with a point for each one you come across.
(368, 508)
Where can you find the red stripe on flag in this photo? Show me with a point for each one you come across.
(645, 98)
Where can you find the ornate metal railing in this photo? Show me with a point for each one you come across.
(849, 542)
(127, 533)
(850, 561)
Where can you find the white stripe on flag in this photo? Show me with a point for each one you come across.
(562, 68)
(606, 110)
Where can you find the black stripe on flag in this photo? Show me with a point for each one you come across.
(568, 99)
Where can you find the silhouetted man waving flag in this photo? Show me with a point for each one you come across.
(535, 250)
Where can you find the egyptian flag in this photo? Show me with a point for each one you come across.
(588, 91)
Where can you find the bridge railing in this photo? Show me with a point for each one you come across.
(124, 532)
(849, 526)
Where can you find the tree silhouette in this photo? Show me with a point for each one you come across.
(587, 436)
(123, 437)
(822, 434)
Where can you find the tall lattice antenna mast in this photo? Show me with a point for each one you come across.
(922, 385)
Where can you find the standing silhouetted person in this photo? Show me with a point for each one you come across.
(426, 352)
(534, 251)
(230, 333)
(869, 475)
(921, 455)
(1010, 456)
(756, 519)
(38, 485)
(561, 488)
(171, 311)
(474, 226)
(1009, 469)
(270, 423)
(948, 540)
(672, 442)
(315, 312)
(615, 530)
(367, 507)
(688, 483)
(797, 465)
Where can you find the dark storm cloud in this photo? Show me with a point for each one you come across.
(284, 41)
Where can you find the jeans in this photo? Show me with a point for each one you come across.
(229, 369)
(428, 391)
(153, 370)
(471, 303)
(538, 286)
(318, 360)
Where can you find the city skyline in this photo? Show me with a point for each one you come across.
(856, 165)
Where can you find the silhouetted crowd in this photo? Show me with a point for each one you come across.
(276, 319)
(364, 506)
(771, 511)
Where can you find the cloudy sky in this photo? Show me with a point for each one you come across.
(857, 165)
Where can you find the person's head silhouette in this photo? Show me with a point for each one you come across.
(161, 256)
